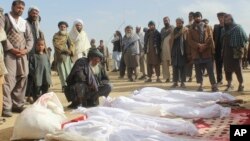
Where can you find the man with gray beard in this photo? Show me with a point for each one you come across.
(131, 52)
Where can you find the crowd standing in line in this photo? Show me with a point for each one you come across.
(81, 65)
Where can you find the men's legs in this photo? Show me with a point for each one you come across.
(210, 71)
(189, 71)
(122, 67)
(1, 94)
(199, 77)
(182, 74)
(239, 76)
(8, 86)
(165, 70)
(61, 73)
(175, 74)
(219, 65)
(45, 88)
(150, 72)
(18, 93)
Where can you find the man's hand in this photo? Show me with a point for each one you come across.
(15, 51)
(23, 52)
(201, 47)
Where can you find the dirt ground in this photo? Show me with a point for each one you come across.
(121, 87)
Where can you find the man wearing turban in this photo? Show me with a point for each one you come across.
(64, 50)
(80, 40)
(87, 81)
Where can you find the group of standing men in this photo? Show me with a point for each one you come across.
(182, 47)
(19, 38)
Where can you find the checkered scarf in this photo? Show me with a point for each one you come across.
(237, 36)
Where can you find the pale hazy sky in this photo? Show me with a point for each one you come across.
(102, 17)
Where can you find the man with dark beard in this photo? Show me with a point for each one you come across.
(131, 50)
(234, 40)
(201, 42)
(166, 48)
(18, 44)
(218, 47)
(152, 48)
(34, 22)
(178, 52)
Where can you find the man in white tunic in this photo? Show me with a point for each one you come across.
(80, 40)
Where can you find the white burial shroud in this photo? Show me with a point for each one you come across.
(164, 125)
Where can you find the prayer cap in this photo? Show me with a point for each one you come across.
(77, 21)
(33, 8)
(151, 23)
(94, 52)
(63, 23)
(197, 14)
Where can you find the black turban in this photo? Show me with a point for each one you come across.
(197, 14)
(151, 23)
(63, 23)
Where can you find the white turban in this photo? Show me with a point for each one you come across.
(33, 8)
(77, 21)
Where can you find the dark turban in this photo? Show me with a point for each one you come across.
(151, 23)
(197, 14)
(94, 52)
(221, 14)
(63, 23)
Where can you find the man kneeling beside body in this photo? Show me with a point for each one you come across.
(87, 81)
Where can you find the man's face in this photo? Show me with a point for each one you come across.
(18, 9)
(92, 42)
(190, 17)
(128, 31)
(101, 43)
(179, 24)
(34, 14)
(151, 27)
(228, 20)
(138, 30)
(63, 27)
(197, 19)
(166, 21)
(94, 61)
(78, 27)
(221, 19)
